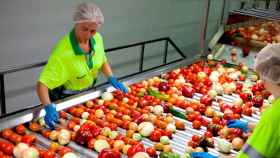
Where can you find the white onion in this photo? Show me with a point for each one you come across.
(107, 96)
(85, 115)
(145, 128)
(30, 153)
(19, 149)
(64, 137)
(224, 146)
(100, 145)
(70, 155)
(158, 110)
(171, 127)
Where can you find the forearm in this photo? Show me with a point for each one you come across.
(106, 69)
(43, 93)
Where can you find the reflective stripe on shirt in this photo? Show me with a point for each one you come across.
(251, 152)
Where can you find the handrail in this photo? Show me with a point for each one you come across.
(141, 61)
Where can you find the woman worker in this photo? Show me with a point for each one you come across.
(265, 139)
(75, 61)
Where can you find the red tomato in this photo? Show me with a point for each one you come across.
(62, 151)
(196, 138)
(49, 154)
(155, 135)
(7, 133)
(9, 149)
(135, 149)
(196, 124)
(208, 134)
(71, 124)
(46, 133)
(91, 143)
(28, 139)
(151, 151)
(206, 99)
(20, 129)
(63, 114)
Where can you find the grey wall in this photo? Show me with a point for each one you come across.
(30, 28)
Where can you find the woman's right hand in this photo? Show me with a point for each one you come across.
(51, 116)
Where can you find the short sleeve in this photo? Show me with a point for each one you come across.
(264, 139)
(54, 74)
(100, 44)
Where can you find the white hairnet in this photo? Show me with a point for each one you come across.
(88, 12)
(267, 63)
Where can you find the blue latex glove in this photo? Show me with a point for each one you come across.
(238, 124)
(51, 116)
(118, 85)
(202, 155)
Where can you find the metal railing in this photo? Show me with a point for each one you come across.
(167, 41)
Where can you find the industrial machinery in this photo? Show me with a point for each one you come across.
(171, 110)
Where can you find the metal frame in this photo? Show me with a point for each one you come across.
(204, 28)
(26, 115)
(141, 70)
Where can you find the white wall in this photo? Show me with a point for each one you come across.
(30, 28)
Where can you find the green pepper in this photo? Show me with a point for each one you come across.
(158, 95)
(168, 155)
(177, 113)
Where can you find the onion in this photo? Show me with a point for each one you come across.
(64, 137)
(244, 69)
(125, 100)
(254, 78)
(76, 128)
(82, 121)
(100, 102)
(164, 140)
(125, 149)
(158, 110)
(171, 127)
(19, 149)
(224, 146)
(201, 75)
(106, 131)
(113, 134)
(101, 144)
(118, 145)
(126, 118)
(70, 155)
(254, 37)
(54, 135)
(141, 155)
(212, 93)
(214, 78)
(145, 128)
(218, 88)
(238, 102)
(85, 115)
(99, 113)
(42, 122)
(189, 149)
(30, 153)
(198, 149)
(107, 96)
(209, 112)
(237, 143)
(133, 126)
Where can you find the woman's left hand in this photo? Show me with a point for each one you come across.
(118, 85)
